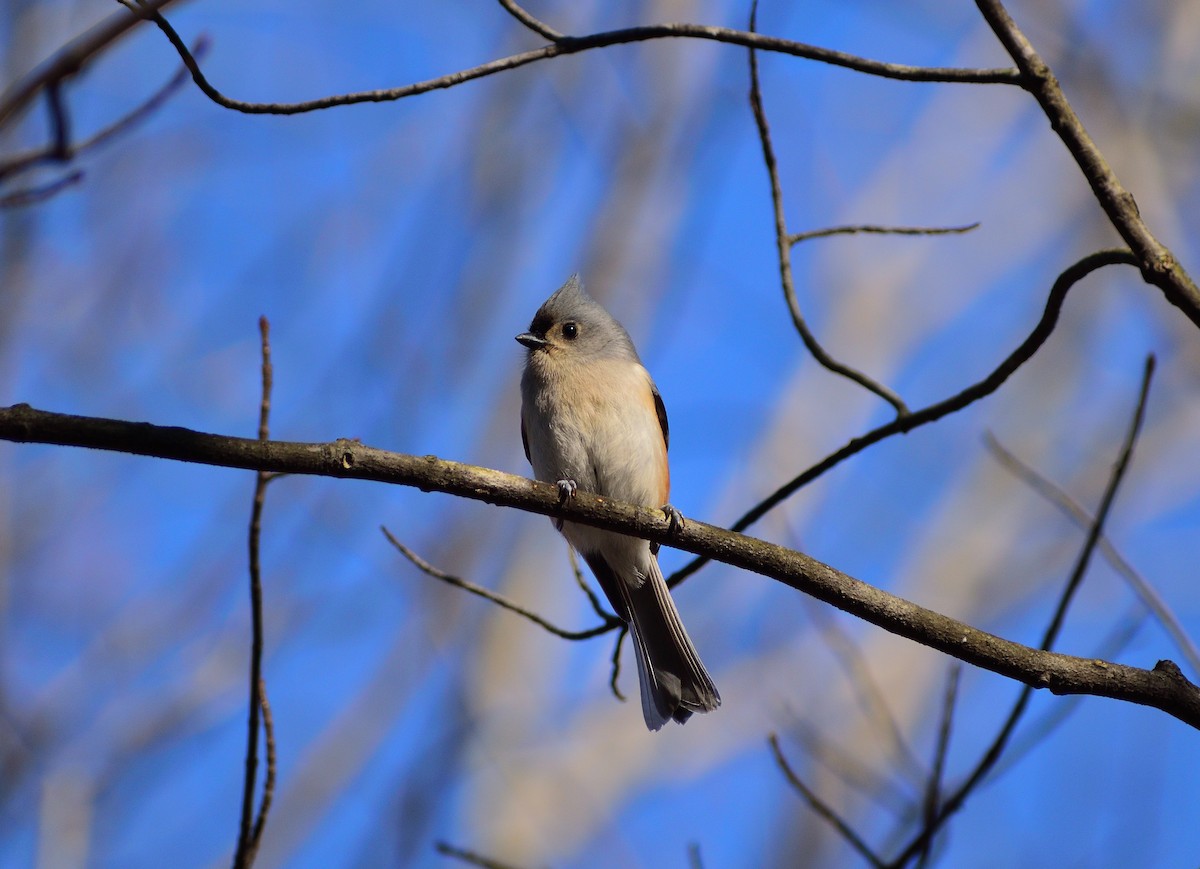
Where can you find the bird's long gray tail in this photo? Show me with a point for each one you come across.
(673, 681)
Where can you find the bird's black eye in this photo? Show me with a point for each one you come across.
(570, 330)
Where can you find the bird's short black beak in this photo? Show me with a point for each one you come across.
(533, 342)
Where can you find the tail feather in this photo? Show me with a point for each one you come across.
(674, 683)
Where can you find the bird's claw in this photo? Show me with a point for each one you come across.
(675, 519)
(566, 491)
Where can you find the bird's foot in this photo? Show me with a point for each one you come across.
(674, 518)
(566, 491)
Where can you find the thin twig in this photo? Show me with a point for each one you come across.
(499, 600)
(902, 425)
(575, 44)
(51, 153)
(876, 229)
(933, 792)
(1141, 586)
(34, 195)
(822, 810)
(538, 27)
(268, 794)
(695, 860)
(616, 662)
(1036, 731)
(783, 246)
(247, 844)
(474, 859)
(60, 122)
(581, 581)
(996, 749)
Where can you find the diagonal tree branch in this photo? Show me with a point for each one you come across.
(1159, 266)
(1001, 740)
(1163, 688)
(904, 424)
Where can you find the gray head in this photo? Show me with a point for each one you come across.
(572, 323)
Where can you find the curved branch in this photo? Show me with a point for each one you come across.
(498, 599)
(783, 248)
(541, 28)
(1159, 266)
(576, 44)
(904, 424)
(1163, 688)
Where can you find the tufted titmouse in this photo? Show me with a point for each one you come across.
(592, 418)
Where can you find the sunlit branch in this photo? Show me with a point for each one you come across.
(1163, 688)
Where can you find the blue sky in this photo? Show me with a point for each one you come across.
(397, 248)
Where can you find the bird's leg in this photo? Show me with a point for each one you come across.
(566, 491)
(674, 518)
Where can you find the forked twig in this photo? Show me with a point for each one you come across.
(931, 413)
(783, 245)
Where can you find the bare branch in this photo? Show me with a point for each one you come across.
(1141, 586)
(470, 857)
(1163, 688)
(34, 195)
(497, 599)
(904, 424)
(567, 45)
(933, 793)
(1159, 266)
(51, 153)
(996, 749)
(538, 27)
(73, 56)
(823, 811)
(876, 229)
(783, 246)
(581, 581)
(247, 844)
(616, 662)
(264, 807)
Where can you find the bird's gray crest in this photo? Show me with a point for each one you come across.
(600, 331)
